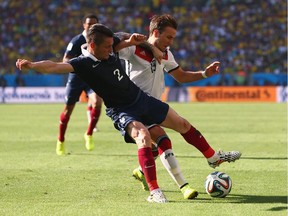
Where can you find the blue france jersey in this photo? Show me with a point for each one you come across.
(74, 47)
(75, 85)
(108, 79)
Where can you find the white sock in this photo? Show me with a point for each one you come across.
(214, 158)
(154, 191)
(171, 164)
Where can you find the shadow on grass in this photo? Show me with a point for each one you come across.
(243, 199)
(233, 198)
(237, 198)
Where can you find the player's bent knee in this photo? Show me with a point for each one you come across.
(156, 131)
(142, 138)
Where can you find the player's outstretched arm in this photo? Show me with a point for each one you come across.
(190, 76)
(45, 66)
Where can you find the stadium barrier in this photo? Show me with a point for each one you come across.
(226, 94)
(58, 80)
(32, 95)
(171, 94)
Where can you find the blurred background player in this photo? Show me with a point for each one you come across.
(74, 87)
(148, 73)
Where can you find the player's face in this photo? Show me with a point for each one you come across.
(89, 22)
(103, 50)
(166, 38)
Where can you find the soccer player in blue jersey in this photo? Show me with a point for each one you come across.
(127, 105)
(74, 87)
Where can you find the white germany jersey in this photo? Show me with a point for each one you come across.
(145, 71)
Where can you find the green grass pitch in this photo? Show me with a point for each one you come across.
(35, 181)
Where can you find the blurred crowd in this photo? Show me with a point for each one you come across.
(246, 36)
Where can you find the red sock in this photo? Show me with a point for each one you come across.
(163, 145)
(62, 127)
(155, 153)
(89, 108)
(195, 138)
(94, 116)
(148, 166)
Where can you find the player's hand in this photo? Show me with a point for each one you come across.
(136, 39)
(212, 69)
(158, 54)
(23, 64)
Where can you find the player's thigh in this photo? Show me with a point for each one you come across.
(176, 122)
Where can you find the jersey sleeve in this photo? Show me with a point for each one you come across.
(74, 47)
(116, 41)
(126, 53)
(71, 48)
(171, 64)
(75, 64)
(122, 35)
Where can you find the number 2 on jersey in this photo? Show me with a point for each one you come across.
(117, 73)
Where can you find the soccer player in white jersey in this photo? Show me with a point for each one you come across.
(148, 73)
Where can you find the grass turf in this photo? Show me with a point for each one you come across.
(35, 181)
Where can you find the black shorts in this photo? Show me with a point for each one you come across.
(146, 109)
(74, 88)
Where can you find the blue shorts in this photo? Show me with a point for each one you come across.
(146, 109)
(74, 88)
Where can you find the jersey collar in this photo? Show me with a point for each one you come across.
(86, 53)
(84, 34)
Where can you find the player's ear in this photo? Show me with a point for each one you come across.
(156, 33)
(92, 45)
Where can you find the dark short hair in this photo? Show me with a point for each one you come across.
(90, 16)
(97, 33)
(160, 22)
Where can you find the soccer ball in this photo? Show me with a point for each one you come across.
(218, 184)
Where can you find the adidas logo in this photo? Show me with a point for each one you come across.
(143, 53)
(169, 155)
